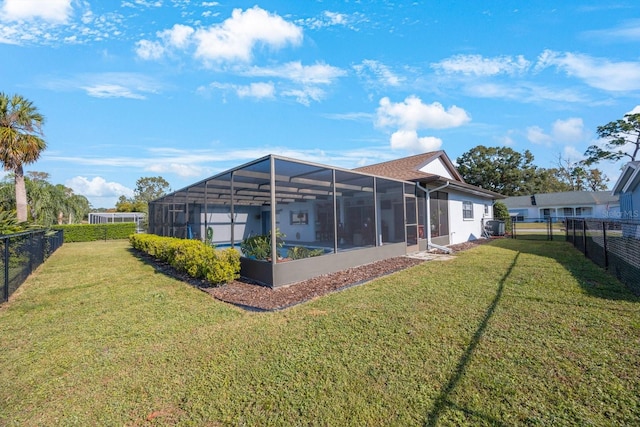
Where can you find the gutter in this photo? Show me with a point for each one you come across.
(430, 244)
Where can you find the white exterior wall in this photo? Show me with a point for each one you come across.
(297, 232)
(462, 230)
(597, 211)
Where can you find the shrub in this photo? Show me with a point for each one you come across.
(300, 252)
(259, 247)
(193, 257)
(93, 232)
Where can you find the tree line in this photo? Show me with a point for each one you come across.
(47, 203)
(508, 172)
(511, 173)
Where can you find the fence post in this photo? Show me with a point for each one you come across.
(584, 236)
(604, 244)
(5, 255)
(550, 229)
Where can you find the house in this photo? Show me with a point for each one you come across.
(351, 217)
(457, 210)
(568, 204)
(628, 189)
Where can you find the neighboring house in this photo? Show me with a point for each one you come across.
(568, 204)
(352, 217)
(628, 189)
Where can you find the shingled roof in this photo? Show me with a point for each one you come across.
(408, 168)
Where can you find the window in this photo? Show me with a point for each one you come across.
(486, 210)
(467, 210)
(299, 218)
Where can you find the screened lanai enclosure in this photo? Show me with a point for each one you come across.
(325, 219)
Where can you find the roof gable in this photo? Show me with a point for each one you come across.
(629, 179)
(436, 166)
(413, 168)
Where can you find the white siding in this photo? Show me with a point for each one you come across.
(460, 229)
(437, 167)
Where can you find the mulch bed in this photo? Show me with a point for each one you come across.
(249, 295)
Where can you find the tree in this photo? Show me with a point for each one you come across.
(130, 205)
(500, 210)
(21, 142)
(499, 169)
(47, 203)
(147, 189)
(622, 136)
(577, 176)
(548, 181)
(150, 188)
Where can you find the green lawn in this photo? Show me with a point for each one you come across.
(510, 333)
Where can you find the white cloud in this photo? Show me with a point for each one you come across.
(305, 95)
(236, 37)
(181, 169)
(636, 110)
(318, 73)
(412, 114)
(147, 50)
(327, 19)
(376, 72)
(570, 130)
(336, 18)
(53, 11)
(257, 90)
(108, 85)
(627, 31)
(97, 187)
(111, 91)
(572, 154)
(596, 72)
(408, 140)
(536, 135)
(178, 36)
(480, 66)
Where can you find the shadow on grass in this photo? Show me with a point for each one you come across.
(443, 401)
(593, 279)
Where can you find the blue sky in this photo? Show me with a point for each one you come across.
(185, 89)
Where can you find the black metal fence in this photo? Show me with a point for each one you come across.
(612, 244)
(22, 253)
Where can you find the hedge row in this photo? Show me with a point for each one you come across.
(193, 257)
(92, 232)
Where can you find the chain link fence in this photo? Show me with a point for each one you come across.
(612, 244)
(22, 253)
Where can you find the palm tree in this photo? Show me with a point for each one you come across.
(20, 142)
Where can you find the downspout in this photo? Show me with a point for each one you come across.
(430, 244)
